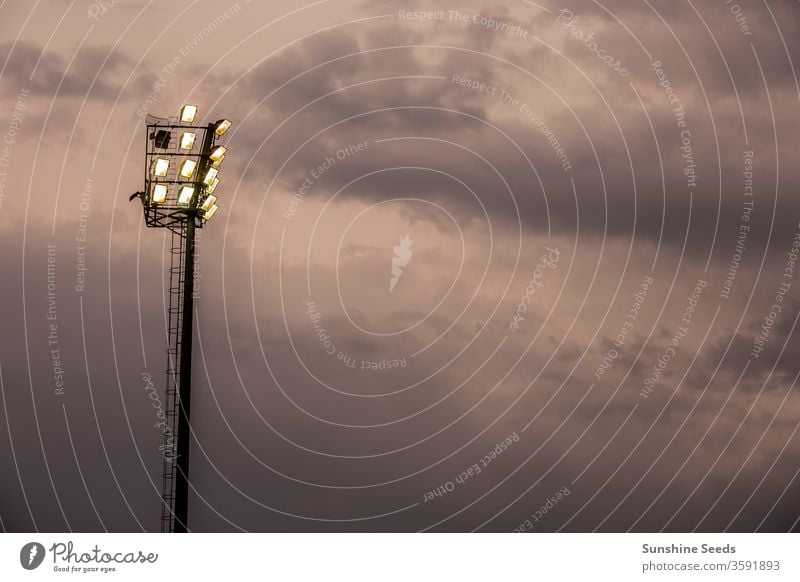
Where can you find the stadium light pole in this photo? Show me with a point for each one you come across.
(179, 195)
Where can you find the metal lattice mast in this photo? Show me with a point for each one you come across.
(174, 321)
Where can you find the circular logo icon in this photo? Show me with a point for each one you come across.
(31, 555)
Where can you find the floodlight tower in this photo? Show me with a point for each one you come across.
(182, 163)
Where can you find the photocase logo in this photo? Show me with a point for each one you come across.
(31, 555)
(400, 260)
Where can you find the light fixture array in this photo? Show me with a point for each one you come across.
(191, 188)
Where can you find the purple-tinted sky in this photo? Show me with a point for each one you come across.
(479, 204)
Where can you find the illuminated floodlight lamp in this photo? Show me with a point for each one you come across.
(222, 126)
(161, 138)
(160, 167)
(211, 212)
(208, 202)
(187, 140)
(218, 153)
(212, 186)
(187, 168)
(185, 195)
(210, 176)
(188, 113)
(159, 193)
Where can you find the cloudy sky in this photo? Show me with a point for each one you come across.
(478, 266)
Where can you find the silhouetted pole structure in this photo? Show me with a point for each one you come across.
(178, 195)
